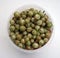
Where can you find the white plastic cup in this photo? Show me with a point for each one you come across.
(38, 8)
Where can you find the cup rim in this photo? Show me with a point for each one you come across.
(24, 7)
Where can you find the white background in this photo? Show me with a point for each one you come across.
(7, 50)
